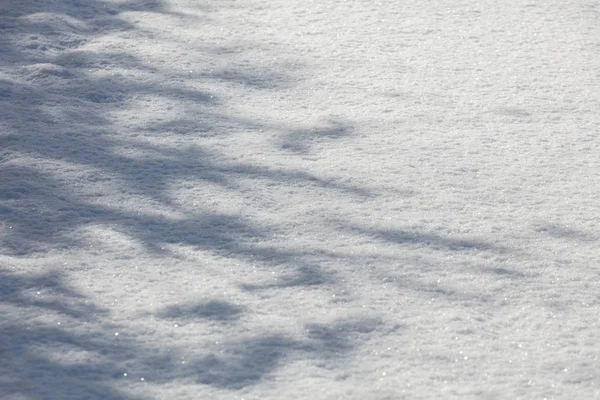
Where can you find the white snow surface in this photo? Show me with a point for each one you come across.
(333, 199)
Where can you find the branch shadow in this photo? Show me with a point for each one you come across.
(58, 132)
(435, 241)
(60, 348)
(302, 141)
(43, 353)
(65, 166)
(245, 362)
(559, 231)
(413, 271)
(304, 275)
(213, 310)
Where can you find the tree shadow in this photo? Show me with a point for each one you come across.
(56, 345)
(245, 362)
(337, 339)
(213, 310)
(46, 354)
(302, 141)
(507, 273)
(304, 275)
(56, 111)
(263, 79)
(559, 231)
(47, 291)
(66, 165)
(427, 254)
(416, 238)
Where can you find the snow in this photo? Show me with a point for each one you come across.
(234, 199)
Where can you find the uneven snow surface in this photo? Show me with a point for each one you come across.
(323, 199)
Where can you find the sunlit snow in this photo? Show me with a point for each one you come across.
(328, 199)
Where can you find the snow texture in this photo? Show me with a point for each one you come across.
(333, 199)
